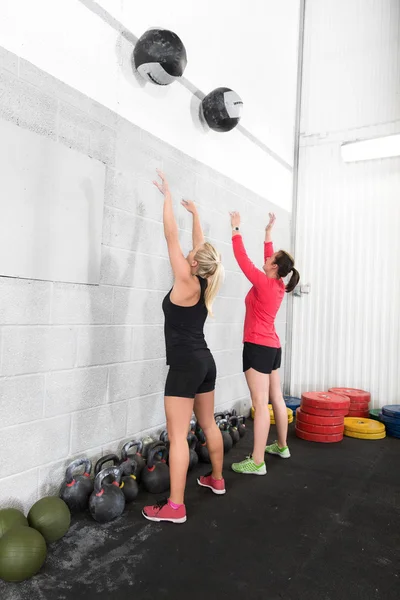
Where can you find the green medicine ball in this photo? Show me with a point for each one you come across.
(22, 553)
(51, 517)
(9, 518)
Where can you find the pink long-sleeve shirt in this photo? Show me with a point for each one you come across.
(262, 301)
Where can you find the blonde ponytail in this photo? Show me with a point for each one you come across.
(210, 268)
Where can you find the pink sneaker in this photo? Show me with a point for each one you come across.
(162, 511)
(216, 485)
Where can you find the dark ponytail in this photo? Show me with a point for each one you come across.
(285, 266)
(293, 281)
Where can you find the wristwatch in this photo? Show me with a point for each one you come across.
(235, 229)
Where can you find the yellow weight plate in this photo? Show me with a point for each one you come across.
(271, 413)
(365, 436)
(360, 425)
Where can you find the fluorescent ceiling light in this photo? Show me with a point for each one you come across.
(383, 147)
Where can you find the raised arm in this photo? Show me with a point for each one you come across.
(254, 275)
(197, 232)
(268, 246)
(179, 264)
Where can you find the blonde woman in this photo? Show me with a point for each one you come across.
(192, 373)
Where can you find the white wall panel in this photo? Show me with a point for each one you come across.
(346, 332)
(352, 64)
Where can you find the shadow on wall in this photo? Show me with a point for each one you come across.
(124, 48)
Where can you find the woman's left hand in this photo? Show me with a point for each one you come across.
(163, 186)
(235, 219)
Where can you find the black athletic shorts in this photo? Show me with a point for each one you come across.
(263, 359)
(196, 375)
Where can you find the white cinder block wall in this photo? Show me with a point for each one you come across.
(82, 367)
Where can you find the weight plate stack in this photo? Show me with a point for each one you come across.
(293, 403)
(364, 429)
(359, 401)
(390, 416)
(374, 414)
(320, 418)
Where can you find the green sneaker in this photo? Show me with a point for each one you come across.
(275, 449)
(249, 467)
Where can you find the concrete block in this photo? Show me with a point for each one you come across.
(224, 336)
(19, 491)
(229, 362)
(134, 379)
(52, 475)
(75, 128)
(227, 256)
(231, 388)
(8, 61)
(103, 345)
(136, 306)
(21, 399)
(235, 285)
(281, 331)
(145, 412)
(24, 301)
(102, 114)
(148, 342)
(134, 233)
(281, 316)
(97, 426)
(132, 156)
(37, 349)
(131, 269)
(129, 193)
(181, 180)
(73, 304)
(78, 389)
(52, 86)
(102, 144)
(229, 310)
(33, 444)
(27, 106)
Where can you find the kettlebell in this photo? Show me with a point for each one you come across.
(155, 475)
(76, 489)
(164, 436)
(193, 425)
(228, 443)
(193, 458)
(107, 502)
(242, 426)
(147, 443)
(233, 429)
(99, 466)
(129, 483)
(137, 456)
(201, 446)
(218, 416)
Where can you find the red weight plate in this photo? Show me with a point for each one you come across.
(325, 400)
(320, 412)
(354, 394)
(358, 413)
(318, 437)
(363, 406)
(317, 419)
(321, 429)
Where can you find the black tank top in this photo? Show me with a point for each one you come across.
(184, 328)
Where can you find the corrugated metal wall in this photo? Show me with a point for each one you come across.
(346, 332)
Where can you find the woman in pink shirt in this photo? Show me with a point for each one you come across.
(262, 348)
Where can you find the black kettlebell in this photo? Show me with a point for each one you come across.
(137, 456)
(129, 483)
(164, 436)
(193, 425)
(148, 443)
(218, 416)
(201, 446)
(242, 426)
(228, 443)
(155, 475)
(193, 458)
(99, 466)
(76, 489)
(233, 429)
(107, 501)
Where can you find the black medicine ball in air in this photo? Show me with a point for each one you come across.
(222, 109)
(160, 56)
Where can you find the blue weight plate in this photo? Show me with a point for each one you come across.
(392, 410)
(393, 433)
(291, 399)
(389, 420)
(293, 406)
